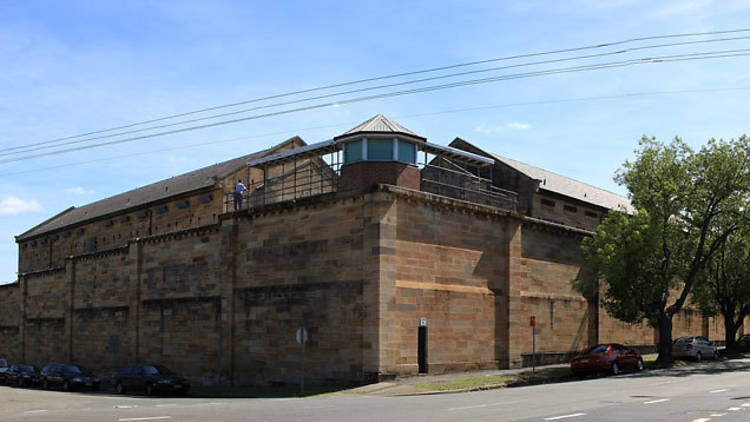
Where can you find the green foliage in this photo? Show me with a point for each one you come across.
(688, 203)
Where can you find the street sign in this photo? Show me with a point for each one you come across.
(423, 322)
(532, 321)
(301, 336)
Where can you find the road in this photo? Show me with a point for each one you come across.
(710, 391)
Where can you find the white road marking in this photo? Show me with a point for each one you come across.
(505, 403)
(150, 418)
(37, 411)
(467, 407)
(572, 415)
(721, 390)
(734, 409)
(213, 403)
(718, 415)
(166, 405)
(702, 420)
(745, 405)
(655, 401)
(669, 382)
(123, 406)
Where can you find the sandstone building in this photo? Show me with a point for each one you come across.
(392, 264)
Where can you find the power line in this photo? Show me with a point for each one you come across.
(645, 60)
(391, 76)
(21, 149)
(402, 117)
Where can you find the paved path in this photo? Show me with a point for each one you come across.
(710, 391)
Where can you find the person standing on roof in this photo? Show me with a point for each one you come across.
(239, 190)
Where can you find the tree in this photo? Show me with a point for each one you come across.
(725, 285)
(648, 262)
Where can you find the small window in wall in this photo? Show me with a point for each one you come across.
(33, 243)
(109, 223)
(204, 199)
(66, 235)
(548, 202)
(162, 209)
(353, 152)
(570, 208)
(54, 237)
(591, 214)
(92, 244)
(407, 152)
(380, 150)
(183, 204)
(141, 214)
(80, 230)
(43, 241)
(124, 219)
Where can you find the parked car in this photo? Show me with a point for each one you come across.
(612, 358)
(743, 343)
(150, 379)
(68, 376)
(22, 375)
(3, 369)
(694, 347)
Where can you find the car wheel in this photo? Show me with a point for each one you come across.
(615, 368)
(120, 389)
(716, 355)
(66, 386)
(149, 389)
(698, 357)
(639, 365)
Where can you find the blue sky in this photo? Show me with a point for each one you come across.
(76, 66)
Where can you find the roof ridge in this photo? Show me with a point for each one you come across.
(561, 175)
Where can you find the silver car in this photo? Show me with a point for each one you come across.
(694, 347)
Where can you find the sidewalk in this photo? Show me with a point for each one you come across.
(459, 382)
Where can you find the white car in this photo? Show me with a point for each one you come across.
(694, 347)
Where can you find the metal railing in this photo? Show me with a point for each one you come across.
(459, 183)
(315, 176)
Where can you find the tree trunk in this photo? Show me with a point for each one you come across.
(730, 331)
(664, 348)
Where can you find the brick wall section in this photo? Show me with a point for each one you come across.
(367, 173)
(568, 211)
(448, 266)
(303, 266)
(10, 318)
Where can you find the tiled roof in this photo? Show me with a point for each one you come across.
(565, 186)
(202, 178)
(379, 124)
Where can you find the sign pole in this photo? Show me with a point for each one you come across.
(532, 322)
(302, 379)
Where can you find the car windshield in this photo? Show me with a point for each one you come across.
(3, 363)
(77, 369)
(25, 368)
(600, 348)
(163, 370)
(684, 340)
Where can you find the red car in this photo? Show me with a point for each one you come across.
(612, 358)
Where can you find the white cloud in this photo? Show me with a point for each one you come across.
(518, 126)
(16, 205)
(483, 128)
(77, 190)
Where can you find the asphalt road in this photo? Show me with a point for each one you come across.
(711, 391)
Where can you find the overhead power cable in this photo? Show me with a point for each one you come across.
(366, 89)
(610, 65)
(385, 77)
(402, 117)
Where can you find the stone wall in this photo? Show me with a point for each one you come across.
(10, 318)
(448, 266)
(221, 303)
